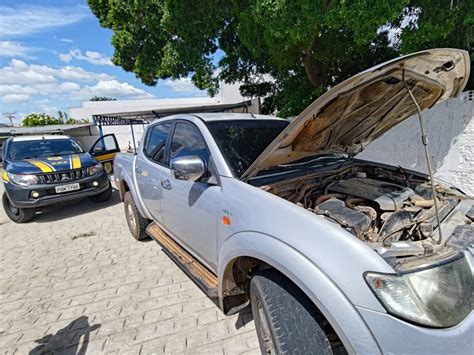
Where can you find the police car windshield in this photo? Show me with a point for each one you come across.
(43, 148)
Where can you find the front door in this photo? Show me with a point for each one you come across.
(104, 150)
(190, 208)
(149, 167)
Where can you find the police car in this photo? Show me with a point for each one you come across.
(43, 170)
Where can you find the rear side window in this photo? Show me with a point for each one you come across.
(187, 140)
(156, 142)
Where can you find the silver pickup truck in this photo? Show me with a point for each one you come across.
(334, 254)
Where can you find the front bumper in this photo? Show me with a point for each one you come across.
(20, 196)
(396, 336)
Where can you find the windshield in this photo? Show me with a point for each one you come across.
(43, 148)
(242, 141)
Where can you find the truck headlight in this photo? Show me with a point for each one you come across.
(23, 180)
(441, 296)
(94, 169)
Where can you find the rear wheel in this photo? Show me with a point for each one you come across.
(286, 320)
(17, 215)
(136, 222)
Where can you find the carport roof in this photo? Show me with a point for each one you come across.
(144, 116)
(50, 129)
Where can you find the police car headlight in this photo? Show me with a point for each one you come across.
(95, 169)
(23, 180)
(437, 297)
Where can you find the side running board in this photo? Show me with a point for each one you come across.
(201, 275)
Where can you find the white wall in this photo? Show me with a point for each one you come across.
(86, 135)
(450, 130)
(124, 134)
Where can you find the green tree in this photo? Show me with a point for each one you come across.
(285, 50)
(39, 119)
(102, 98)
(76, 121)
(43, 119)
(62, 116)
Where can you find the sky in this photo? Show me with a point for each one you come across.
(54, 55)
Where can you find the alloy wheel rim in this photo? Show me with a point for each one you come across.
(131, 216)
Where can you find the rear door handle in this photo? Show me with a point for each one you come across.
(138, 170)
(166, 184)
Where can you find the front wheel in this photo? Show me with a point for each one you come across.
(136, 222)
(16, 214)
(104, 196)
(286, 320)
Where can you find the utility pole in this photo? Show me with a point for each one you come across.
(10, 116)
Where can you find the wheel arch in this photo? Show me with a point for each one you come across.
(126, 184)
(123, 188)
(256, 251)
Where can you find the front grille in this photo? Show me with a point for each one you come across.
(64, 176)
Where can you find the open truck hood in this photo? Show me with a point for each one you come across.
(354, 113)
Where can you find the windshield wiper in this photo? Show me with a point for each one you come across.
(54, 155)
(23, 158)
(305, 165)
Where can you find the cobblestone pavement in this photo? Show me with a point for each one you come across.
(75, 280)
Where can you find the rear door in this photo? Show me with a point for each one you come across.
(104, 150)
(150, 165)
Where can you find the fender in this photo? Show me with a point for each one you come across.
(124, 175)
(330, 300)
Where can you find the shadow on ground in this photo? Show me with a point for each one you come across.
(245, 316)
(67, 339)
(74, 208)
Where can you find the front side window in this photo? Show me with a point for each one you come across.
(187, 141)
(107, 143)
(156, 142)
(20, 150)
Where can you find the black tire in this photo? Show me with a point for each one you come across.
(103, 196)
(286, 320)
(136, 222)
(17, 215)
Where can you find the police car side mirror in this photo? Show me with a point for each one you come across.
(98, 150)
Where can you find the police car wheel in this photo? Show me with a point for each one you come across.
(17, 215)
(136, 222)
(103, 196)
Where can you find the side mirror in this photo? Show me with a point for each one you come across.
(98, 150)
(190, 168)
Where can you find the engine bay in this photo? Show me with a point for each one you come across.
(393, 210)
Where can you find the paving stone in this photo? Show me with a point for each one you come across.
(106, 293)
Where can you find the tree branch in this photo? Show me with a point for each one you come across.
(310, 66)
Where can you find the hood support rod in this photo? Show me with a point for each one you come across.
(424, 140)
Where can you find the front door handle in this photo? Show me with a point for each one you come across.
(138, 170)
(166, 184)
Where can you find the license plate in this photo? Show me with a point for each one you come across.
(67, 188)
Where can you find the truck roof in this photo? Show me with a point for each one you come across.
(225, 116)
(38, 137)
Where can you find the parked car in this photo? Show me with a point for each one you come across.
(334, 254)
(42, 170)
